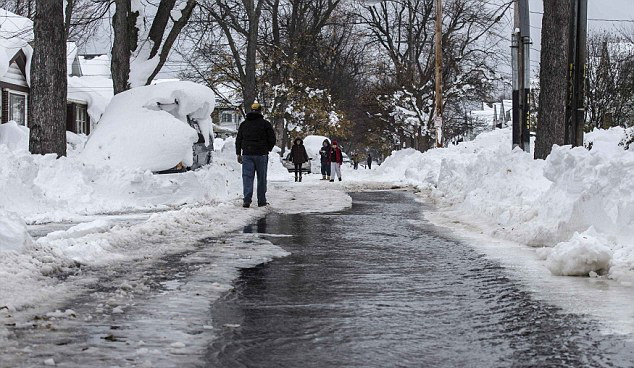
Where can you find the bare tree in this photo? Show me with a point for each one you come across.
(239, 22)
(611, 79)
(403, 31)
(47, 112)
(553, 77)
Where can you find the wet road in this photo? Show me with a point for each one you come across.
(375, 286)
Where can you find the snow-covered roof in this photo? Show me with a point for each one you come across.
(96, 92)
(15, 34)
(95, 65)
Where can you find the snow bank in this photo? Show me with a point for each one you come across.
(540, 203)
(14, 136)
(146, 127)
(13, 232)
(43, 188)
(581, 255)
(276, 170)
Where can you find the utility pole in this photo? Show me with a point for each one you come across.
(520, 58)
(577, 43)
(438, 38)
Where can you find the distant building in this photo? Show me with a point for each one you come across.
(228, 114)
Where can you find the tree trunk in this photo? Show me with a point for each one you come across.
(553, 77)
(47, 100)
(250, 82)
(125, 41)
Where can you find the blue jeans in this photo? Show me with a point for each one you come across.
(325, 168)
(250, 166)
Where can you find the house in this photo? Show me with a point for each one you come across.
(85, 103)
(228, 112)
(15, 55)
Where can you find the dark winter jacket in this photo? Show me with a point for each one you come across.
(324, 154)
(336, 155)
(255, 136)
(369, 159)
(298, 152)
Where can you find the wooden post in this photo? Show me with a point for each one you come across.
(438, 115)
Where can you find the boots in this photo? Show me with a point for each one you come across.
(323, 177)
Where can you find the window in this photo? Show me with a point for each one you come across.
(81, 119)
(17, 108)
(226, 118)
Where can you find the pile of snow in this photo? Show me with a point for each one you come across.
(146, 127)
(540, 203)
(584, 253)
(13, 232)
(14, 136)
(43, 188)
(276, 170)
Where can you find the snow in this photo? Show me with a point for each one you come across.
(578, 201)
(13, 232)
(14, 136)
(94, 91)
(15, 34)
(97, 66)
(582, 254)
(146, 127)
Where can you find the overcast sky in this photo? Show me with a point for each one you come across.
(597, 9)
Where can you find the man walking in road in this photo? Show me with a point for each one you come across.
(256, 138)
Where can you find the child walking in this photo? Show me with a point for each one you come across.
(298, 157)
(336, 160)
(324, 154)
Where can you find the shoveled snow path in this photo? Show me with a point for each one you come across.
(151, 306)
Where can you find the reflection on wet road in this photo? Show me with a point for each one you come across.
(375, 286)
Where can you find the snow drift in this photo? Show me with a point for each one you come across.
(542, 203)
(146, 127)
(13, 232)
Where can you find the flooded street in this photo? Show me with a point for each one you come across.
(375, 286)
(371, 286)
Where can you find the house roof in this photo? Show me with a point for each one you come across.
(15, 34)
(95, 65)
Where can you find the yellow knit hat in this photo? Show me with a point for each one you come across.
(256, 107)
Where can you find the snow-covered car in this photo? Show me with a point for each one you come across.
(202, 153)
(290, 166)
(146, 128)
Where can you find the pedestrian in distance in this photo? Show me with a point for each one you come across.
(256, 138)
(298, 157)
(336, 160)
(355, 161)
(369, 162)
(324, 154)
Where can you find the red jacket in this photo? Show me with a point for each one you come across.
(336, 155)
